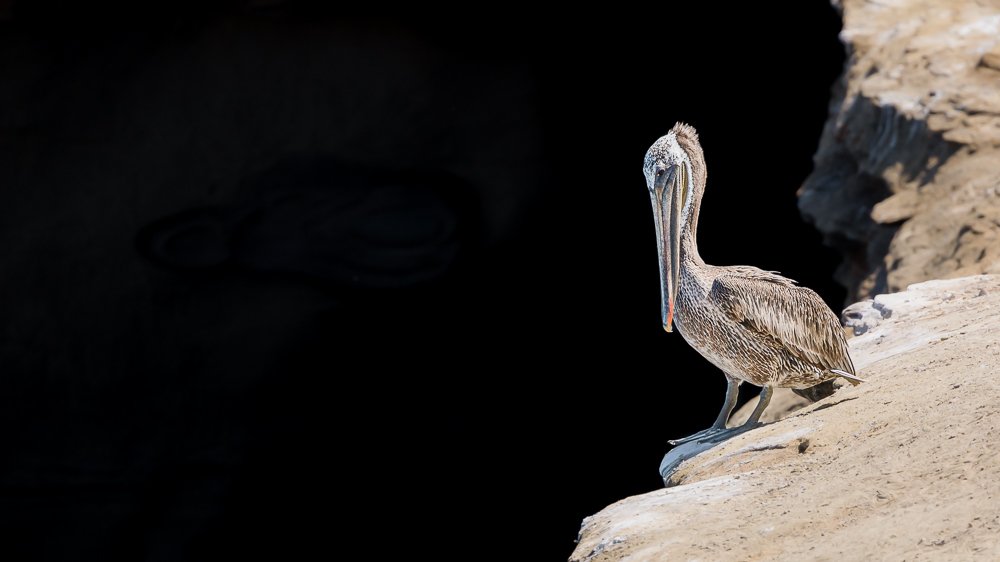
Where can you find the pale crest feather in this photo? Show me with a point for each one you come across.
(684, 130)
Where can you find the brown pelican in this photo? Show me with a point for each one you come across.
(756, 326)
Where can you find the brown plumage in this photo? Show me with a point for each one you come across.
(787, 334)
(756, 326)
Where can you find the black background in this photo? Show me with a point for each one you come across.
(480, 414)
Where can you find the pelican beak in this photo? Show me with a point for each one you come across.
(667, 195)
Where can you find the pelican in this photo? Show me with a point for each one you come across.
(754, 325)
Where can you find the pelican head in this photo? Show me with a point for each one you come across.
(668, 176)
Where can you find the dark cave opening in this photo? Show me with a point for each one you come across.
(518, 387)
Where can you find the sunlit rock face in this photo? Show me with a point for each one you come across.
(905, 181)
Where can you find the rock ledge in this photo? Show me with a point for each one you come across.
(907, 463)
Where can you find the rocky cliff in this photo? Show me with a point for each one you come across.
(905, 463)
(906, 186)
(906, 176)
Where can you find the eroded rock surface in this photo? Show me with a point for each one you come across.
(906, 181)
(905, 464)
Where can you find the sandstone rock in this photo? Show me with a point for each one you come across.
(904, 465)
(906, 181)
(865, 315)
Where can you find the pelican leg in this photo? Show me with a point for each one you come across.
(762, 402)
(732, 394)
(752, 421)
(704, 440)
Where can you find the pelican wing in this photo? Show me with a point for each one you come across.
(791, 316)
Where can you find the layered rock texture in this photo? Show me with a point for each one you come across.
(905, 464)
(907, 178)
